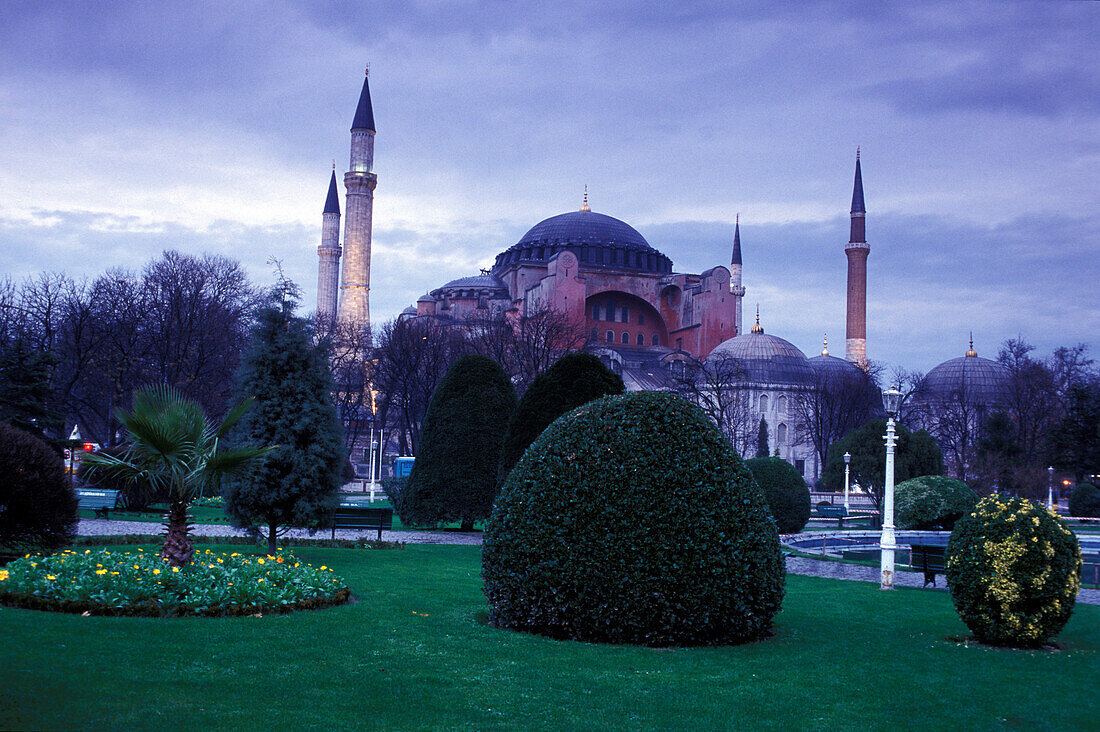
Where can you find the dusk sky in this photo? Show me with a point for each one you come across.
(131, 128)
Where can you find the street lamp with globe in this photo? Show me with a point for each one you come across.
(847, 465)
(891, 400)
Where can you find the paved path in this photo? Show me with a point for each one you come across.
(795, 565)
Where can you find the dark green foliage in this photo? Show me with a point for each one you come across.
(1014, 569)
(574, 379)
(297, 483)
(785, 491)
(136, 494)
(932, 502)
(454, 476)
(1076, 437)
(1084, 500)
(25, 393)
(37, 503)
(762, 439)
(916, 454)
(632, 520)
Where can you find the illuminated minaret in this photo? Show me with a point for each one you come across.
(328, 254)
(855, 344)
(358, 208)
(735, 276)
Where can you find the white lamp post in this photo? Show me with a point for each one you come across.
(847, 464)
(1050, 487)
(891, 398)
(373, 447)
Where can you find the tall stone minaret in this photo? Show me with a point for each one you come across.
(736, 289)
(855, 344)
(328, 254)
(358, 209)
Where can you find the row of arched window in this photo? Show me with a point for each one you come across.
(780, 405)
(625, 339)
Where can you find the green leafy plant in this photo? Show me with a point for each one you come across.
(932, 502)
(116, 582)
(1084, 500)
(632, 520)
(175, 450)
(1014, 569)
(37, 504)
(785, 491)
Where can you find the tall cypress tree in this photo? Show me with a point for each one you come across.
(762, 439)
(454, 477)
(296, 484)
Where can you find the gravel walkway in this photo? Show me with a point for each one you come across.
(795, 565)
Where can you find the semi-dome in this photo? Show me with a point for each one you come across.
(477, 282)
(978, 381)
(765, 359)
(597, 239)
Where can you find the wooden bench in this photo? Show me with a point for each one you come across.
(1090, 573)
(928, 558)
(357, 517)
(833, 512)
(99, 500)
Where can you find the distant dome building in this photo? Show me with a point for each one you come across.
(970, 378)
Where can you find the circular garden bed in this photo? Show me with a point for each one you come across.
(140, 583)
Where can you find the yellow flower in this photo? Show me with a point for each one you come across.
(4, 574)
(175, 569)
(99, 565)
(87, 551)
(297, 564)
(221, 561)
(114, 572)
(323, 568)
(136, 567)
(156, 571)
(101, 571)
(260, 560)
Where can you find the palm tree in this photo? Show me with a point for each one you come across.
(173, 449)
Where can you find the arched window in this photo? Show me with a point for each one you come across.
(610, 336)
(641, 339)
(781, 405)
(781, 434)
(656, 339)
(763, 403)
(626, 338)
(595, 335)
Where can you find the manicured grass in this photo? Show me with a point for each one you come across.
(414, 653)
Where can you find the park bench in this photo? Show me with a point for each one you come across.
(929, 559)
(1090, 573)
(357, 517)
(833, 512)
(99, 500)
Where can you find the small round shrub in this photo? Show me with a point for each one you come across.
(1084, 500)
(574, 379)
(1014, 570)
(932, 502)
(37, 503)
(784, 490)
(632, 520)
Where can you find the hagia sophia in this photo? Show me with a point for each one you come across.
(640, 315)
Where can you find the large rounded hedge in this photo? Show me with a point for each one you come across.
(932, 502)
(785, 491)
(1014, 570)
(1084, 500)
(37, 503)
(632, 520)
(454, 477)
(574, 379)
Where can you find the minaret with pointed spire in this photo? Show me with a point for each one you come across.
(328, 268)
(360, 182)
(736, 289)
(855, 344)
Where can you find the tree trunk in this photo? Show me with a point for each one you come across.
(467, 524)
(177, 548)
(272, 529)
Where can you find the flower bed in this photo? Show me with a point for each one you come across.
(116, 582)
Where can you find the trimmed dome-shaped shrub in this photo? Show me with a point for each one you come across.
(784, 490)
(632, 520)
(932, 502)
(1014, 569)
(454, 477)
(37, 503)
(574, 379)
(1084, 500)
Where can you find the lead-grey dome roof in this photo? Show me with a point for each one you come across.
(979, 381)
(482, 281)
(766, 359)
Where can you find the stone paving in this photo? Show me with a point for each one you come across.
(795, 565)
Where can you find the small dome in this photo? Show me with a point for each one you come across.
(978, 380)
(766, 359)
(410, 310)
(478, 282)
(425, 298)
(836, 371)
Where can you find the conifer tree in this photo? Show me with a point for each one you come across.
(762, 439)
(454, 477)
(298, 482)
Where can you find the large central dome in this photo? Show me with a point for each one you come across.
(598, 240)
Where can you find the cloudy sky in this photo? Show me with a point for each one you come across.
(130, 128)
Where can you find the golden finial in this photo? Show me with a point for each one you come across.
(825, 345)
(366, 72)
(971, 353)
(757, 328)
(584, 206)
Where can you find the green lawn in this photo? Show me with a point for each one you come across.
(414, 653)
